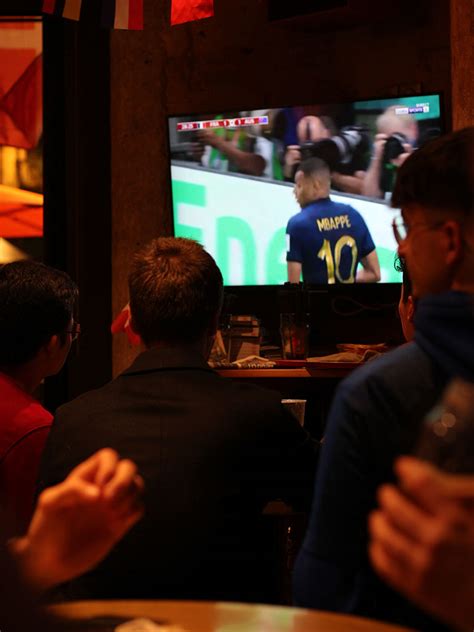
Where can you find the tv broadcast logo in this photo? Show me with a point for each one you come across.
(419, 108)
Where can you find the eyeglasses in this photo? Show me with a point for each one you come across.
(74, 331)
(401, 228)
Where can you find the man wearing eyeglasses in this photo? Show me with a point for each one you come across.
(36, 332)
(378, 410)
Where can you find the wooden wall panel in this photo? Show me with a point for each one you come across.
(462, 62)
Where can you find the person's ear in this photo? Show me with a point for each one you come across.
(410, 309)
(317, 185)
(52, 345)
(454, 242)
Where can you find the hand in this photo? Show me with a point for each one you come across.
(77, 522)
(379, 144)
(400, 159)
(292, 155)
(423, 539)
(292, 158)
(208, 137)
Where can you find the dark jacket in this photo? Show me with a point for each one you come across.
(212, 453)
(376, 416)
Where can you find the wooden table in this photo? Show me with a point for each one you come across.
(316, 384)
(335, 370)
(202, 616)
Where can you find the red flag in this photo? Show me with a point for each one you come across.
(122, 324)
(21, 99)
(49, 6)
(189, 10)
(123, 14)
(72, 9)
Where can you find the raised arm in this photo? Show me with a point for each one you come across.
(246, 161)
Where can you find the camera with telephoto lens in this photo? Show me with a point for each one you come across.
(394, 146)
(350, 144)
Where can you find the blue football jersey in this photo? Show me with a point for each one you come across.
(329, 239)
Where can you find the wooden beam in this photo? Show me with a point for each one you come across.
(462, 62)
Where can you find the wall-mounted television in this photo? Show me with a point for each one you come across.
(232, 176)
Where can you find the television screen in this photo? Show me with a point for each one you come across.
(253, 186)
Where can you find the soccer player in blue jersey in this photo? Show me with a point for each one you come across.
(327, 240)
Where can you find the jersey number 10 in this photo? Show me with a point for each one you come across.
(333, 261)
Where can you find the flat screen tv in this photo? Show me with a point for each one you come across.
(232, 176)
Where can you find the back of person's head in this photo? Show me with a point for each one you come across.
(37, 302)
(315, 168)
(314, 128)
(439, 176)
(176, 291)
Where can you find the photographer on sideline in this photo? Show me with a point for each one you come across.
(401, 131)
(318, 138)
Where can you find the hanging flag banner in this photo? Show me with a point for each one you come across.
(116, 14)
(70, 9)
(189, 10)
(50, 6)
(123, 14)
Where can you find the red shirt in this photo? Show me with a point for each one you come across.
(24, 427)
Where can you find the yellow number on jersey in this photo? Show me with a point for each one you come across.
(325, 253)
(333, 268)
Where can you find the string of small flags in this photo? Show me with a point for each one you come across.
(115, 14)
(128, 14)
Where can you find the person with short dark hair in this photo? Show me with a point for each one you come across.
(212, 452)
(327, 240)
(308, 129)
(176, 291)
(378, 410)
(314, 130)
(36, 331)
